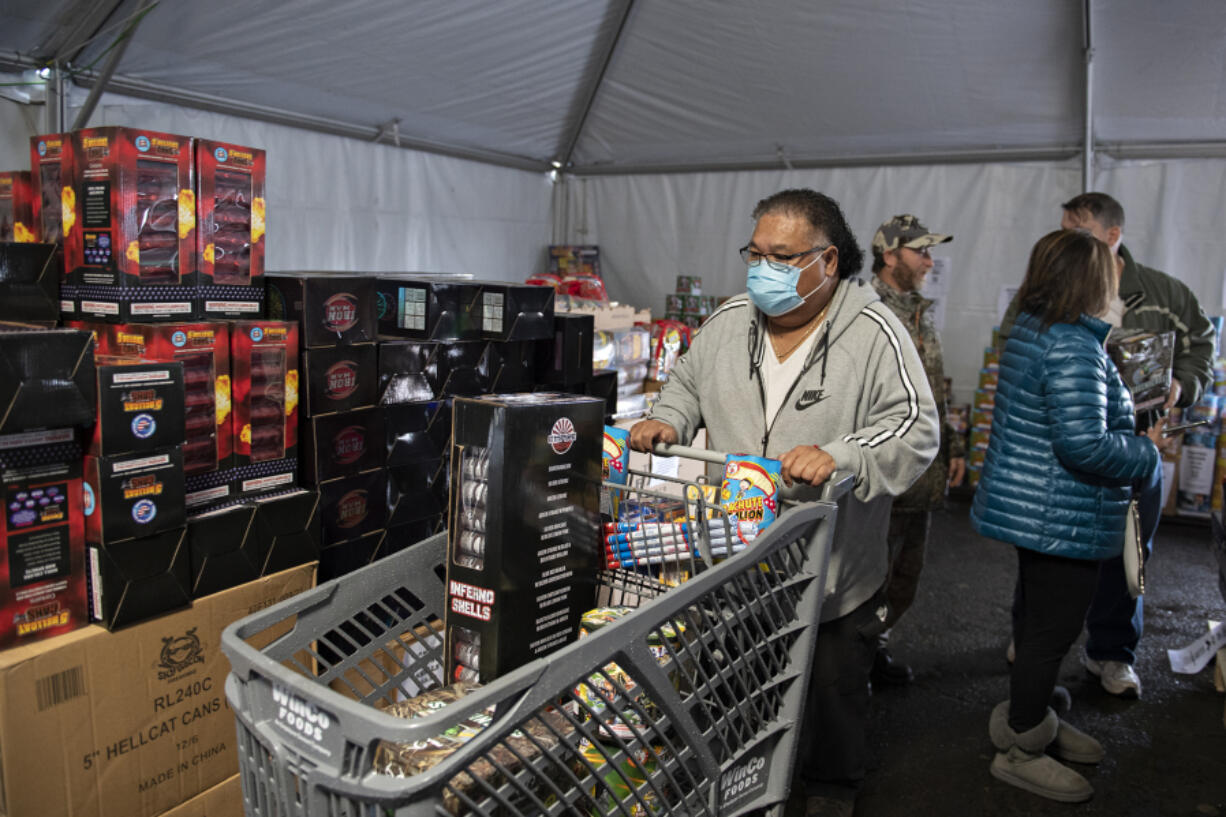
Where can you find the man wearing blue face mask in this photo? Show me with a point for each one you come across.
(811, 368)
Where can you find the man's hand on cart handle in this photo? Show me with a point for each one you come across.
(807, 464)
(645, 434)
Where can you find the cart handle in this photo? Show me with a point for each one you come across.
(837, 484)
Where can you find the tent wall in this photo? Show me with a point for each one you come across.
(653, 228)
(338, 203)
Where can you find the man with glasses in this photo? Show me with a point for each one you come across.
(810, 368)
(901, 262)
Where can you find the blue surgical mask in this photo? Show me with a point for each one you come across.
(774, 292)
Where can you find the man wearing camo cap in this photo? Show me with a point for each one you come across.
(901, 261)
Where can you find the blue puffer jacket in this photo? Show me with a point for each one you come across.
(1063, 451)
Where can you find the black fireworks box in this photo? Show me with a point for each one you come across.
(29, 283)
(411, 371)
(140, 407)
(515, 311)
(139, 579)
(508, 366)
(333, 308)
(416, 491)
(417, 431)
(133, 496)
(342, 444)
(425, 308)
(47, 378)
(340, 378)
(353, 506)
(343, 558)
(524, 528)
(235, 545)
(566, 359)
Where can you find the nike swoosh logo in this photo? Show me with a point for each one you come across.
(810, 398)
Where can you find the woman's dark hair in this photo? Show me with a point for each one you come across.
(1070, 273)
(824, 214)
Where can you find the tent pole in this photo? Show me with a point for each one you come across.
(572, 138)
(1087, 158)
(108, 70)
(55, 99)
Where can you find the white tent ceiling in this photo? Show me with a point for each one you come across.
(635, 85)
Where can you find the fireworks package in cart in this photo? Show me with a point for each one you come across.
(230, 236)
(132, 252)
(524, 529)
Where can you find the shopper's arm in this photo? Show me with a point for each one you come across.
(1075, 378)
(1193, 347)
(680, 403)
(901, 435)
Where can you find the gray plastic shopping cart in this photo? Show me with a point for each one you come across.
(685, 706)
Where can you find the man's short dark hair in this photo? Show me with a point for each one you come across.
(1099, 206)
(878, 261)
(824, 214)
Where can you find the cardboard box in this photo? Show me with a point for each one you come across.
(1144, 361)
(524, 528)
(29, 283)
(428, 309)
(352, 507)
(140, 407)
(613, 316)
(134, 495)
(417, 431)
(139, 579)
(574, 259)
(51, 177)
(510, 312)
(265, 366)
(139, 718)
(240, 543)
(204, 351)
(341, 378)
(42, 537)
(332, 308)
(47, 378)
(412, 371)
(566, 359)
(223, 800)
(17, 207)
(339, 445)
(230, 238)
(132, 253)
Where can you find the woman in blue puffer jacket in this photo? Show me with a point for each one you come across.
(1056, 484)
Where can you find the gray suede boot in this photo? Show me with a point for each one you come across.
(1021, 762)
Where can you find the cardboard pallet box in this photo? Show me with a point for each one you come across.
(223, 800)
(126, 724)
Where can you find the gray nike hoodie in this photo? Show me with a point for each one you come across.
(862, 396)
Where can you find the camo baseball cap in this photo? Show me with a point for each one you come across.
(906, 231)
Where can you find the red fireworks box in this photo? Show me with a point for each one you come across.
(17, 207)
(230, 235)
(54, 197)
(132, 251)
(42, 536)
(265, 427)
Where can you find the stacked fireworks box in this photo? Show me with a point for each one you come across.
(982, 406)
(135, 509)
(53, 197)
(342, 436)
(17, 207)
(524, 526)
(47, 400)
(443, 337)
(687, 304)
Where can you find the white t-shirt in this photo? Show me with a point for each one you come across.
(777, 378)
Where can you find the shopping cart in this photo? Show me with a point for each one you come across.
(686, 706)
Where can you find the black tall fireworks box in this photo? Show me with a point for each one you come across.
(524, 528)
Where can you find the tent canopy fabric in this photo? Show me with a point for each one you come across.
(634, 85)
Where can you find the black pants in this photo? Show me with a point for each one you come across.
(1055, 593)
(832, 750)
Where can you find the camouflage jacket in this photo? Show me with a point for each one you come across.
(928, 492)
